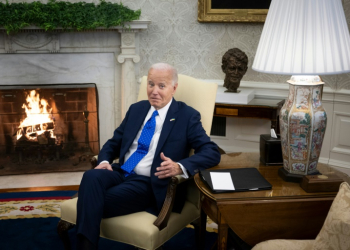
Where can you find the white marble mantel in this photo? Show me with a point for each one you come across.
(106, 57)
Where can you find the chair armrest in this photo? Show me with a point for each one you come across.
(164, 215)
(93, 161)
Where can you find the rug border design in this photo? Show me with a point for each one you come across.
(31, 214)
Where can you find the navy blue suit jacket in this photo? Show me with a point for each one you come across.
(182, 131)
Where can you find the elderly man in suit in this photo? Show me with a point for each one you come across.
(153, 144)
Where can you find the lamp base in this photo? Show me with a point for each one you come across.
(289, 177)
(302, 125)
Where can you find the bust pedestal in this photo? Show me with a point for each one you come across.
(243, 97)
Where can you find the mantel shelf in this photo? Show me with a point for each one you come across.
(136, 25)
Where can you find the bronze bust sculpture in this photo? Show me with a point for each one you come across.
(234, 65)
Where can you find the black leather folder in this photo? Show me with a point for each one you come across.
(244, 179)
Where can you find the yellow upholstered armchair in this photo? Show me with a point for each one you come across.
(335, 233)
(142, 229)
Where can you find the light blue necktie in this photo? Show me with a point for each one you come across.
(142, 145)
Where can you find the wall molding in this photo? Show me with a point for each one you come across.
(270, 90)
(336, 146)
(343, 164)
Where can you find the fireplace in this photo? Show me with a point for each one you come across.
(48, 128)
(106, 57)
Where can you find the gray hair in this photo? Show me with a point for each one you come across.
(165, 66)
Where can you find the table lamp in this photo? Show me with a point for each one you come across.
(305, 39)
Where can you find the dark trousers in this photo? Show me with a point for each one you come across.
(103, 194)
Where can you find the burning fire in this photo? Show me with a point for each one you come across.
(38, 120)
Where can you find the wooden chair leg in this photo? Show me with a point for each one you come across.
(62, 230)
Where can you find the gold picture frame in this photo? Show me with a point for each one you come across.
(207, 14)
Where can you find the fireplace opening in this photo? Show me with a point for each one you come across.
(48, 128)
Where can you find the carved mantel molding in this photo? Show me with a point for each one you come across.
(33, 38)
(30, 42)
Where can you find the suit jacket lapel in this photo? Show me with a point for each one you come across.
(167, 126)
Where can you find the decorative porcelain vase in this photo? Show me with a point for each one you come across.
(303, 123)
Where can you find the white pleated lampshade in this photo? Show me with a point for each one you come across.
(304, 37)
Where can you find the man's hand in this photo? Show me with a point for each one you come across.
(168, 168)
(104, 165)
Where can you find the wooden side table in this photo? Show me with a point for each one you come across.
(285, 212)
(256, 108)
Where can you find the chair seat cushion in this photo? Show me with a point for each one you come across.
(134, 228)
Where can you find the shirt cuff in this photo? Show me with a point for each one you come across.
(104, 162)
(184, 170)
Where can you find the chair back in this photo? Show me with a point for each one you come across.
(198, 94)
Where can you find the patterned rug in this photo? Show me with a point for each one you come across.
(45, 204)
(32, 204)
(39, 212)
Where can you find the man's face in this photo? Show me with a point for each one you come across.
(235, 70)
(159, 87)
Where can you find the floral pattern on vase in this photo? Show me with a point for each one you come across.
(299, 128)
(284, 116)
(302, 98)
(319, 128)
(303, 123)
(285, 165)
(298, 167)
(316, 98)
(320, 121)
(312, 166)
(284, 131)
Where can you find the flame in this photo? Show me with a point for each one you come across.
(39, 118)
